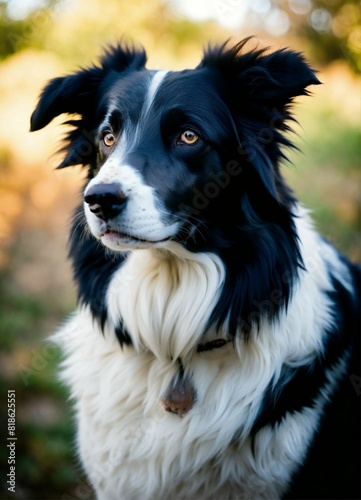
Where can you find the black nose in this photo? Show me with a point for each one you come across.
(106, 201)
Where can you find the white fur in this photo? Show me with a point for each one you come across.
(158, 282)
(152, 91)
(143, 218)
(130, 447)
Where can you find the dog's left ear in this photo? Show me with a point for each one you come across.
(277, 78)
(77, 93)
(261, 79)
(259, 89)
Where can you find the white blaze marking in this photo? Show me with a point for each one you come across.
(152, 91)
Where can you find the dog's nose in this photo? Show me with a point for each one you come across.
(180, 396)
(106, 201)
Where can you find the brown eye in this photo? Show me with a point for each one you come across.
(189, 137)
(108, 139)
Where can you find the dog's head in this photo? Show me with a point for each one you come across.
(169, 152)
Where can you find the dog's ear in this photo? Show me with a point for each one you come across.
(76, 93)
(259, 78)
(260, 88)
(276, 78)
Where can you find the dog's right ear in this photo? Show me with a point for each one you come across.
(75, 94)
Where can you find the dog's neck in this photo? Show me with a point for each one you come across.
(165, 297)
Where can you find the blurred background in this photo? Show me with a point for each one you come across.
(41, 39)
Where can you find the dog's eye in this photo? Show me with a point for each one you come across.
(188, 137)
(209, 346)
(108, 139)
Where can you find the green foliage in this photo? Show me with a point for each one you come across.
(19, 313)
(326, 176)
(340, 36)
(18, 34)
(45, 462)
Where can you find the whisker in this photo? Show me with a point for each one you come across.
(192, 226)
(80, 222)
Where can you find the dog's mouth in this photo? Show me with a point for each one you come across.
(115, 237)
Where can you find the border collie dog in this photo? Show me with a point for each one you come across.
(213, 354)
